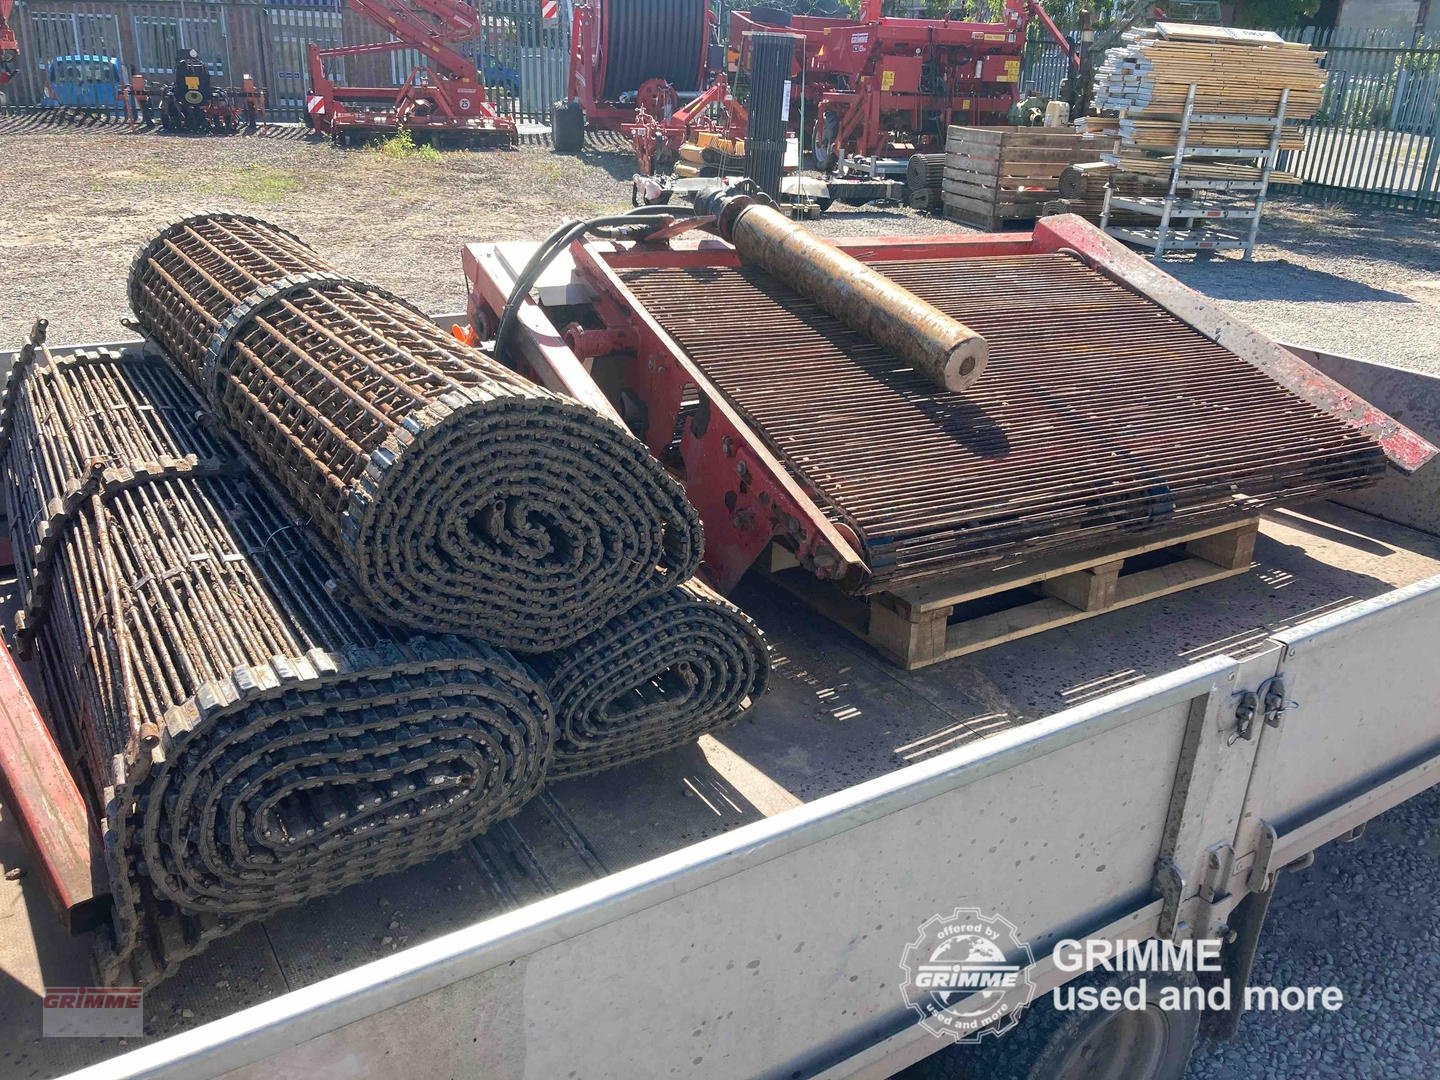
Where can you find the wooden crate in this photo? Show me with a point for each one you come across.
(1001, 174)
(938, 620)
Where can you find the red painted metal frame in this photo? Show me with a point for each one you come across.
(657, 139)
(9, 46)
(744, 493)
(52, 815)
(1406, 450)
(448, 99)
(589, 38)
(867, 72)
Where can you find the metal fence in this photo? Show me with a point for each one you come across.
(74, 52)
(1376, 137)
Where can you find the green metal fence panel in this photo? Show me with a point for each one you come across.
(77, 53)
(1376, 138)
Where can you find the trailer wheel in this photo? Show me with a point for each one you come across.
(1051, 1044)
(567, 126)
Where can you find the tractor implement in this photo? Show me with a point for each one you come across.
(444, 102)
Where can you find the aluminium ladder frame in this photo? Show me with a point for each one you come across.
(1171, 206)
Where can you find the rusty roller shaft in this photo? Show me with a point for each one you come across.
(662, 674)
(457, 495)
(943, 349)
(266, 744)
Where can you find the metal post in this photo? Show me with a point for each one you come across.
(1275, 131)
(1162, 234)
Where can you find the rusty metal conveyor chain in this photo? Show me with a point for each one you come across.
(248, 741)
(672, 668)
(454, 494)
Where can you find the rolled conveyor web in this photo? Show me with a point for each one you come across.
(677, 666)
(249, 742)
(454, 494)
(653, 39)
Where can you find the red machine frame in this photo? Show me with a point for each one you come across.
(658, 138)
(9, 47)
(871, 83)
(589, 33)
(746, 496)
(446, 100)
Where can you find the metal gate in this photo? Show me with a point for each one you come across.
(1376, 138)
(523, 55)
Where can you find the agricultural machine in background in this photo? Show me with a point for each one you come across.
(443, 102)
(191, 102)
(879, 87)
(9, 47)
(634, 61)
(872, 87)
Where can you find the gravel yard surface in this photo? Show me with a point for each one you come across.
(1358, 282)
(1365, 918)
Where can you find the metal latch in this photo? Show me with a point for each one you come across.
(1272, 707)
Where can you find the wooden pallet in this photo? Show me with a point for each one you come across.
(939, 620)
(995, 175)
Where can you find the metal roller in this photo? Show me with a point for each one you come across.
(247, 741)
(673, 668)
(653, 39)
(939, 347)
(454, 494)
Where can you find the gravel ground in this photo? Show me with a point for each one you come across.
(1365, 918)
(1359, 282)
(82, 203)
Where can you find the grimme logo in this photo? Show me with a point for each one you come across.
(963, 972)
(69, 1011)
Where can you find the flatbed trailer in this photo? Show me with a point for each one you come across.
(740, 907)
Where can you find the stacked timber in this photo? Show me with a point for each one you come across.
(1082, 189)
(1151, 72)
(925, 180)
(1006, 174)
(1235, 73)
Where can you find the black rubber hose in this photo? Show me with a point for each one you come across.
(552, 245)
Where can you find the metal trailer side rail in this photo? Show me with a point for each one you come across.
(773, 950)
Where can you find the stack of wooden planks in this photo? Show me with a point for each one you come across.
(1082, 187)
(995, 175)
(1234, 72)
(1194, 173)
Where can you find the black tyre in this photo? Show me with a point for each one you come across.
(1051, 1044)
(567, 126)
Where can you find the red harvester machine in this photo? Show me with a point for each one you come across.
(443, 102)
(888, 87)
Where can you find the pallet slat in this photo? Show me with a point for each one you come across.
(928, 623)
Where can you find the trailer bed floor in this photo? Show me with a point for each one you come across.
(836, 715)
